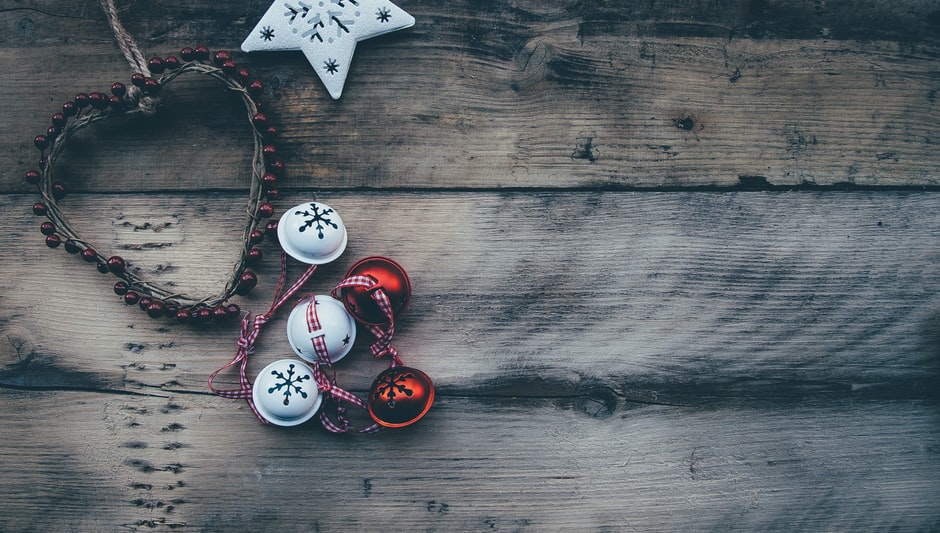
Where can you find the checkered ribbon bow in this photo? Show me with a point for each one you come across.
(382, 346)
(251, 328)
(333, 395)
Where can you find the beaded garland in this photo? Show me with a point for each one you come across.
(140, 98)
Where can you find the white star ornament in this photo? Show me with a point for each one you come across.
(326, 31)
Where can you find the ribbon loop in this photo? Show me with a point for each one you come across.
(250, 330)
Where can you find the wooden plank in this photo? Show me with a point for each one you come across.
(528, 95)
(184, 461)
(686, 356)
(679, 298)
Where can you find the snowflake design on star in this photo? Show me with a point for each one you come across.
(317, 217)
(331, 66)
(289, 384)
(391, 386)
(326, 31)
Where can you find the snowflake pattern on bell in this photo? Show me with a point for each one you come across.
(391, 385)
(326, 31)
(288, 383)
(316, 216)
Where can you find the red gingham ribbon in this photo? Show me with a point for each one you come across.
(318, 341)
(330, 390)
(250, 330)
(328, 386)
(382, 345)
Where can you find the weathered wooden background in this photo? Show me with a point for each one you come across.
(676, 267)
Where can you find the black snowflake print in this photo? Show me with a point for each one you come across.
(331, 66)
(383, 14)
(289, 384)
(391, 386)
(267, 33)
(315, 216)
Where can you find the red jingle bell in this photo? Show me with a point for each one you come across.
(390, 277)
(400, 396)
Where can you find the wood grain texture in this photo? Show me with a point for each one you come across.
(527, 94)
(603, 361)
(675, 264)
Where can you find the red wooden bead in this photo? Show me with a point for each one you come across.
(41, 142)
(69, 108)
(138, 79)
(243, 75)
(270, 132)
(247, 281)
(233, 310)
(183, 315)
(188, 54)
(204, 315)
(116, 264)
(201, 52)
(144, 302)
(269, 151)
(256, 237)
(121, 288)
(266, 210)
(116, 103)
(277, 166)
(260, 120)
(255, 88)
(59, 120)
(156, 309)
(81, 100)
(156, 65)
(131, 298)
(52, 133)
(268, 181)
(172, 62)
(118, 89)
(103, 268)
(272, 194)
(72, 247)
(219, 312)
(58, 190)
(47, 228)
(254, 256)
(33, 177)
(53, 241)
(270, 229)
(98, 100)
(170, 309)
(221, 56)
(229, 67)
(40, 209)
(89, 255)
(151, 86)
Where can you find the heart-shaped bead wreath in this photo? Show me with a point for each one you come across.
(373, 292)
(141, 97)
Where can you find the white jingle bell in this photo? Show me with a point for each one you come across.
(321, 322)
(285, 393)
(312, 233)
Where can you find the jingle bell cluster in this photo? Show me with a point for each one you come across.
(322, 328)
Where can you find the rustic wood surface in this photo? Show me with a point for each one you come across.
(675, 267)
